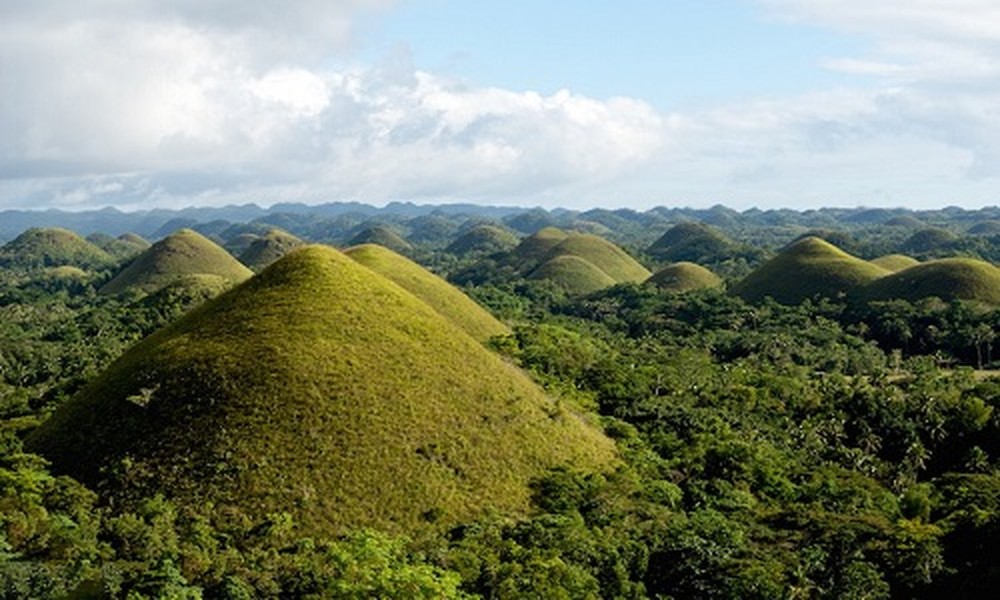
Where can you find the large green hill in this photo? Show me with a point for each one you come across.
(894, 262)
(436, 292)
(268, 248)
(947, 278)
(575, 275)
(602, 254)
(691, 241)
(52, 247)
(536, 246)
(684, 277)
(807, 268)
(383, 236)
(483, 239)
(180, 254)
(321, 389)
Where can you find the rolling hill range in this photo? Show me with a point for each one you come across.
(268, 248)
(183, 253)
(440, 295)
(946, 278)
(804, 269)
(322, 389)
(684, 277)
(52, 247)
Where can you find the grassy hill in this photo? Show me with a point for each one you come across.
(483, 239)
(683, 277)
(52, 247)
(440, 295)
(604, 255)
(383, 236)
(894, 262)
(573, 274)
(990, 227)
(928, 240)
(947, 278)
(268, 248)
(534, 248)
(180, 254)
(239, 243)
(121, 247)
(807, 268)
(325, 390)
(691, 241)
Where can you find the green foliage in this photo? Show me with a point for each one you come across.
(52, 247)
(483, 239)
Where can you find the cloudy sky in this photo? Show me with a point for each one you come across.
(575, 103)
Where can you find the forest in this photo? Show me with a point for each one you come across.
(675, 403)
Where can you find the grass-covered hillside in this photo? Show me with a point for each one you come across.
(807, 268)
(179, 255)
(946, 278)
(602, 254)
(321, 389)
(483, 239)
(691, 241)
(436, 292)
(894, 262)
(122, 247)
(383, 236)
(52, 247)
(268, 248)
(536, 246)
(573, 274)
(684, 277)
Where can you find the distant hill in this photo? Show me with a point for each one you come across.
(268, 248)
(321, 389)
(691, 242)
(575, 275)
(928, 240)
(536, 246)
(947, 278)
(684, 277)
(807, 268)
(603, 254)
(483, 239)
(52, 247)
(906, 222)
(894, 262)
(440, 295)
(179, 255)
(239, 243)
(986, 228)
(383, 236)
(122, 247)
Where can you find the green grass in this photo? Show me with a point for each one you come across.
(121, 247)
(948, 279)
(383, 236)
(483, 239)
(575, 275)
(684, 277)
(182, 253)
(268, 248)
(807, 268)
(52, 247)
(604, 255)
(894, 262)
(322, 389)
(687, 241)
(534, 248)
(440, 295)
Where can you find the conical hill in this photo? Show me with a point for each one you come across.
(268, 248)
(52, 247)
(483, 239)
(807, 268)
(604, 255)
(894, 262)
(947, 278)
(383, 236)
(121, 247)
(684, 277)
(536, 246)
(575, 275)
(325, 390)
(183, 253)
(691, 241)
(436, 292)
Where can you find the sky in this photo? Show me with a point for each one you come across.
(578, 104)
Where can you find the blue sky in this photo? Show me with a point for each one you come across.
(767, 103)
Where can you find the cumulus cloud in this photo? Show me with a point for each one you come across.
(218, 101)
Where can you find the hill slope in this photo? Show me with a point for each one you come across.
(383, 236)
(52, 247)
(182, 253)
(947, 278)
(807, 268)
(536, 246)
(268, 248)
(894, 262)
(440, 295)
(604, 255)
(573, 274)
(483, 239)
(322, 389)
(691, 242)
(683, 277)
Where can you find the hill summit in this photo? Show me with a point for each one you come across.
(268, 248)
(579, 263)
(684, 277)
(323, 389)
(947, 278)
(52, 247)
(183, 253)
(806, 268)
